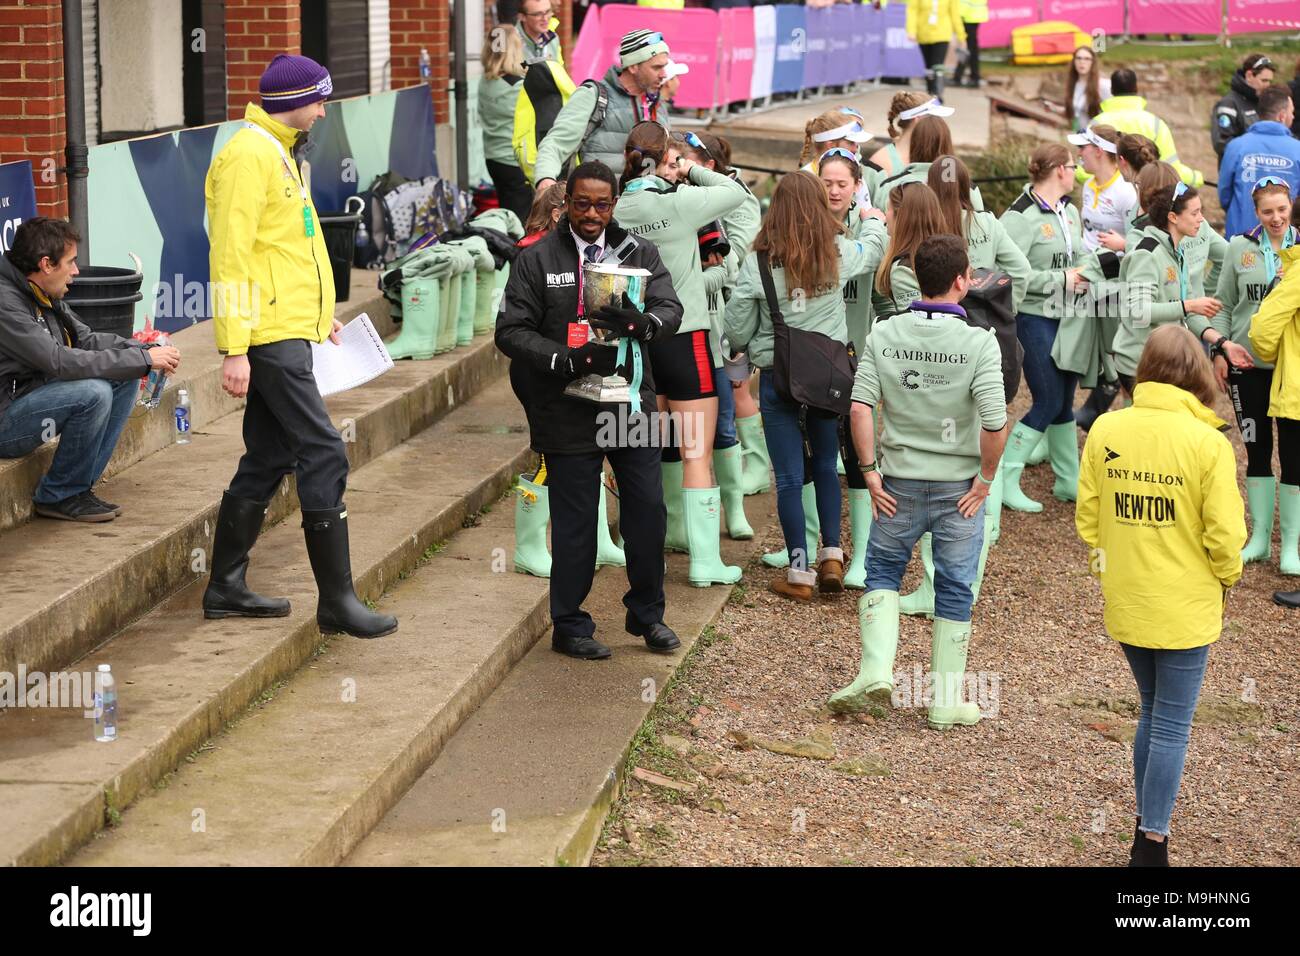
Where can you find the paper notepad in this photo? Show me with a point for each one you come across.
(359, 357)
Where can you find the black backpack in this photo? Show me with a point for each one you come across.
(811, 369)
(988, 306)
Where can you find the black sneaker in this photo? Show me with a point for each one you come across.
(82, 507)
(117, 509)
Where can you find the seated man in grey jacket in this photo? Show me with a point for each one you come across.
(57, 377)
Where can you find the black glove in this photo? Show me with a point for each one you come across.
(580, 361)
(626, 321)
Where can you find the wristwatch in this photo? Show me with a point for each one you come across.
(1218, 349)
(868, 469)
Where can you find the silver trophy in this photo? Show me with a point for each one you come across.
(604, 283)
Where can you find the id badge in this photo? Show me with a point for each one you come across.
(934, 19)
(308, 224)
(579, 334)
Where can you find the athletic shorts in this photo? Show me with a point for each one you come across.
(683, 366)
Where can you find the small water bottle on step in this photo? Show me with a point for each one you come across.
(105, 705)
(183, 417)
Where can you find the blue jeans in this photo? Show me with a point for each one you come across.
(786, 449)
(1169, 683)
(88, 415)
(928, 506)
(1052, 389)
(725, 434)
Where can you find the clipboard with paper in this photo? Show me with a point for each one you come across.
(359, 357)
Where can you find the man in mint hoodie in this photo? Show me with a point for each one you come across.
(940, 383)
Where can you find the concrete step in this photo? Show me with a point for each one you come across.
(530, 777)
(308, 774)
(182, 678)
(66, 587)
(150, 431)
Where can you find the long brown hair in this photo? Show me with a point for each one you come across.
(647, 141)
(544, 204)
(950, 180)
(1173, 355)
(909, 100)
(1154, 178)
(1092, 87)
(798, 234)
(917, 216)
(931, 138)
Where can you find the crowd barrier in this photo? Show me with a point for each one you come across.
(744, 54)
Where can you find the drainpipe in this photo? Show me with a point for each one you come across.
(76, 153)
(460, 44)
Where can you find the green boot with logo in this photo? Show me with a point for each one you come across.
(878, 628)
(703, 510)
(728, 465)
(1020, 445)
(949, 642)
(532, 514)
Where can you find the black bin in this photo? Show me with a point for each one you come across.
(104, 298)
(340, 233)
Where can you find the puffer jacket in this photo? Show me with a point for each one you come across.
(1234, 114)
(270, 280)
(42, 343)
(1159, 506)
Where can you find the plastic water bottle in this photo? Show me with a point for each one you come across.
(105, 705)
(183, 417)
(151, 393)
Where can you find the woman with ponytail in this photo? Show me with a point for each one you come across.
(931, 138)
(666, 199)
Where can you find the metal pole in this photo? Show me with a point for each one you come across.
(460, 48)
(76, 155)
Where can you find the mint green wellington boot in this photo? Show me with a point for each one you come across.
(984, 558)
(758, 465)
(839, 464)
(993, 506)
(878, 626)
(1022, 442)
(532, 514)
(450, 312)
(608, 554)
(421, 303)
(1288, 507)
(920, 602)
(948, 645)
(675, 537)
(1261, 496)
(812, 529)
(1042, 451)
(855, 575)
(703, 510)
(1063, 446)
(728, 465)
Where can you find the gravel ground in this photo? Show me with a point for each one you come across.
(1047, 780)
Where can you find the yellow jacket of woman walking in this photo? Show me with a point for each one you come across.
(1275, 336)
(1160, 510)
(934, 21)
(271, 281)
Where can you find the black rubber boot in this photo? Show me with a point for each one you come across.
(1287, 598)
(338, 609)
(1098, 403)
(238, 523)
(1151, 852)
(1137, 835)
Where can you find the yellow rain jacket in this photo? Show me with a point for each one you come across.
(1159, 506)
(1129, 114)
(1275, 336)
(975, 11)
(270, 280)
(934, 21)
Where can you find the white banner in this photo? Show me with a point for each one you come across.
(764, 51)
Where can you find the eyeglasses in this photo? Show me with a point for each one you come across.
(1070, 166)
(697, 143)
(1269, 181)
(586, 205)
(539, 15)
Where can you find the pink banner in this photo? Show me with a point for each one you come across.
(1106, 16)
(1004, 16)
(1175, 16)
(1261, 16)
(692, 36)
(737, 29)
(584, 63)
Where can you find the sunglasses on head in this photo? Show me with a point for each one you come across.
(1269, 181)
(838, 151)
(696, 143)
(1180, 189)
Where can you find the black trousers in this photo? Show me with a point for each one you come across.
(642, 518)
(513, 191)
(286, 429)
(973, 48)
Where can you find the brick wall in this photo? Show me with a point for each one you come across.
(256, 30)
(31, 96)
(416, 25)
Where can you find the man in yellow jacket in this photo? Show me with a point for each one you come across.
(1160, 509)
(933, 24)
(272, 297)
(1275, 336)
(1128, 113)
(973, 13)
